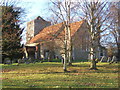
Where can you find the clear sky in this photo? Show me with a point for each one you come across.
(34, 8)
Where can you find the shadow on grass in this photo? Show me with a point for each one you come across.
(80, 66)
(73, 71)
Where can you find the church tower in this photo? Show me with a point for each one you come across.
(34, 27)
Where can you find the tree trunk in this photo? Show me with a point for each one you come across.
(70, 59)
(93, 45)
(65, 60)
(66, 51)
(69, 47)
(69, 37)
(64, 65)
(93, 65)
(93, 62)
(70, 55)
(118, 53)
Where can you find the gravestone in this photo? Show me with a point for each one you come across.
(102, 58)
(108, 59)
(7, 61)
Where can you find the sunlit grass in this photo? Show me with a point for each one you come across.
(51, 75)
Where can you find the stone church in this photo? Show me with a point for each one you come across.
(46, 41)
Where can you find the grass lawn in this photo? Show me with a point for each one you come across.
(51, 75)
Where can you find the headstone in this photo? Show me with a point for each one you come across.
(108, 59)
(113, 59)
(102, 58)
(7, 61)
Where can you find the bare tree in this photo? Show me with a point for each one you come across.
(115, 27)
(96, 15)
(62, 9)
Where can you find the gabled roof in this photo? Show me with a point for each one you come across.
(53, 31)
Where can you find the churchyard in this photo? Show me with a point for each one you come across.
(51, 75)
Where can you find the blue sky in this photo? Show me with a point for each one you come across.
(34, 8)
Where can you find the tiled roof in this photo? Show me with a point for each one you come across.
(56, 30)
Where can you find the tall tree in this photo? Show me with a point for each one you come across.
(63, 10)
(115, 27)
(11, 30)
(96, 15)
